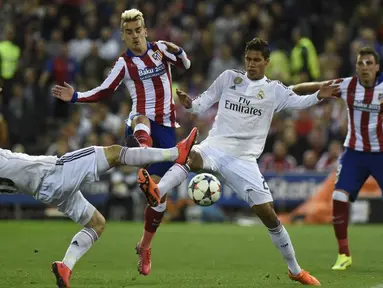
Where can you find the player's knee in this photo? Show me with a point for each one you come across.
(112, 154)
(340, 195)
(267, 215)
(141, 119)
(195, 161)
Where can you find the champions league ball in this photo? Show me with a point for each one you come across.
(204, 189)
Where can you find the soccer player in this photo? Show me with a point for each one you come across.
(145, 70)
(363, 155)
(247, 102)
(57, 181)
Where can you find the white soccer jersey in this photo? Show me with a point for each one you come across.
(245, 111)
(365, 115)
(23, 172)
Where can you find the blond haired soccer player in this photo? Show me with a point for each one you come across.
(57, 181)
(145, 69)
(247, 101)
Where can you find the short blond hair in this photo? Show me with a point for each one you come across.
(132, 15)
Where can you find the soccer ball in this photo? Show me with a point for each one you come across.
(204, 189)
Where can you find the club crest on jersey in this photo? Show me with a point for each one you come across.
(237, 80)
(260, 95)
(157, 55)
(380, 97)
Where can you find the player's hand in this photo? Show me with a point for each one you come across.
(64, 93)
(328, 90)
(171, 47)
(184, 99)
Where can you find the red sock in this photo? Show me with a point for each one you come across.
(340, 223)
(152, 222)
(143, 138)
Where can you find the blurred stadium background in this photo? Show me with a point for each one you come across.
(48, 42)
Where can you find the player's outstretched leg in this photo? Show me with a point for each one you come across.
(153, 215)
(281, 240)
(341, 208)
(79, 245)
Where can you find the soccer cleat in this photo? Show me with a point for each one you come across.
(342, 263)
(185, 146)
(148, 187)
(62, 273)
(144, 262)
(305, 278)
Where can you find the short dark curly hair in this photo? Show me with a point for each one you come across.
(258, 44)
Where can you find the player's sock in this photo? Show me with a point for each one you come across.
(153, 217)
(139, 156)
(281, 240)
(341, 208)
(142, 134)
(80, 244)
(172, 178)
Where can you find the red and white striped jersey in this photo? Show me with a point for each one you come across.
(148, 79)
(365, 115)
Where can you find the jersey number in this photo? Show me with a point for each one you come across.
(265, 186)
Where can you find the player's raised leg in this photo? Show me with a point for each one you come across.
(351, 174)
(153, 215)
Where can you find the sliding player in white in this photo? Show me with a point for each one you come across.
(247, 102)
(57, 181)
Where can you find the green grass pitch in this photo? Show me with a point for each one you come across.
(186, 255)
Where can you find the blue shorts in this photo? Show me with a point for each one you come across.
(163, 137)
(354, 169)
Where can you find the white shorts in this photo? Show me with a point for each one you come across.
(242, 176)
(62, 186)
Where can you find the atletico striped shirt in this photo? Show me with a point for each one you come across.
(148, 79)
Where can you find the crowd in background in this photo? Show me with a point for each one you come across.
(77, 41)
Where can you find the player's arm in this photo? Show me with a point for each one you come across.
(311, 87)
(205, 100)
(174, 54)
(106, 89)
(288, 99)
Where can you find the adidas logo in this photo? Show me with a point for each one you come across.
(232, 87)
(75, 243)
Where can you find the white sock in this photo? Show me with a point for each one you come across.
(281, 240)
(172, 178)
(144, 156)
(143, 127)
(160, 208)
(80, 244)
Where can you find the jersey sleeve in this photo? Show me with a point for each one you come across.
(179, 59)
(211, 96)
(287, 99)
(344, 86)
(106, 89)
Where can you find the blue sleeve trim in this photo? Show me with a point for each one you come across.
(179, 52)
(74, 97)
